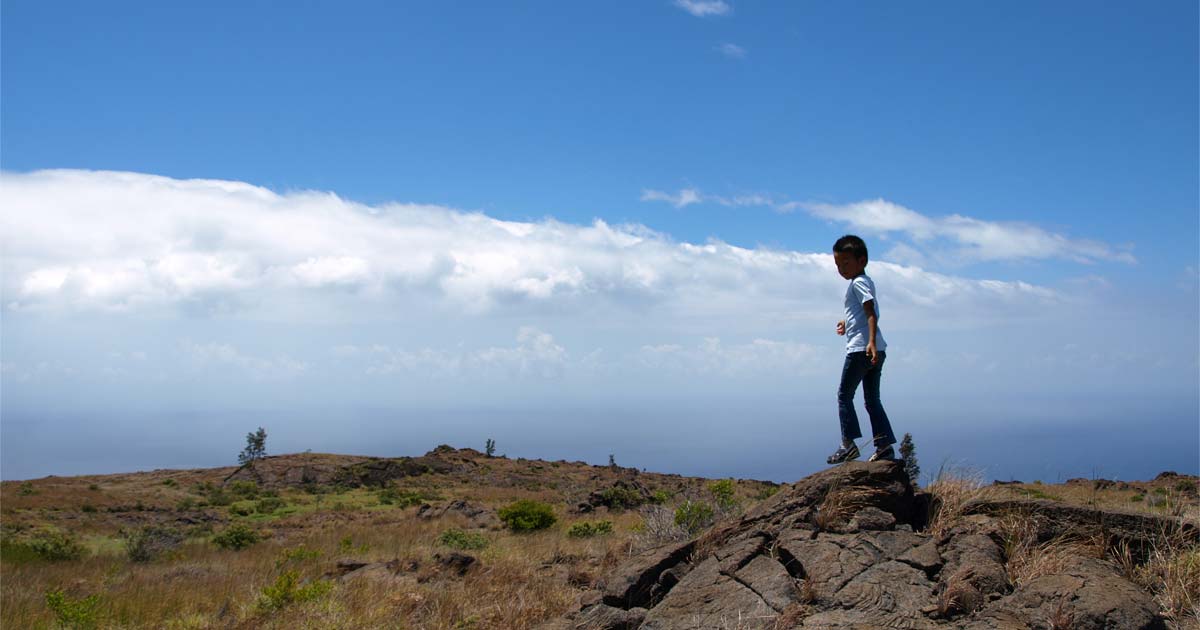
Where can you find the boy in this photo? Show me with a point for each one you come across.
(864, 354)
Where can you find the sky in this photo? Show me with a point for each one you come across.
(585, 229)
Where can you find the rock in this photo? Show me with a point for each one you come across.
(603, 617)
(779, 565)
(1088, 595)
(1055, 519)
(476, 516)
(456, 562)
(622, 494)
(871, 519)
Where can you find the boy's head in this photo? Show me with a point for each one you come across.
(850, 256)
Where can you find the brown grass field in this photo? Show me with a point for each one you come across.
(519, 580)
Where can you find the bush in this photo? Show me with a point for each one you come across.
(767, 493)
(244, 489)
(93, 487)
(241, 509)
(458, 539)
(73, 613)
(88, 508)
(213, 494)
(619, 497)
(269, 505)
(185, 504)
(236, 537)
(723, 492)
(170, 483)
(54, 545)
(147, 543)
(660, 496)
(297, 555)
(391, 495)
(586, 529)
(1137, 498)
(26, 489)
(694, 516)
(287, 590)
(526, 516)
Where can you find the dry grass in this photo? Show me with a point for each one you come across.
(840, 504)
(952, 489)
(1027, 559)
(1171, 570)
(520, 581)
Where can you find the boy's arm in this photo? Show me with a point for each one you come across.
(872, 324)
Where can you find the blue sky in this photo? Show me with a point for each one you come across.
(374, 208)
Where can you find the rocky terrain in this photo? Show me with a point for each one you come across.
(340, 541)
(854, 547)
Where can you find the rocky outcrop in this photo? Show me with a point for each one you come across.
(475, 515)
(347, 471)
(843, 549)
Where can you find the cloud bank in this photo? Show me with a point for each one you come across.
(128, 242)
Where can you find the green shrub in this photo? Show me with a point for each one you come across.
(661, 496)
(186, 503)
(55, 545)
(147, 543)
(215, 495)
(170, 483)
(1184, 485)
(620, 497)
(526, 516)
(74, 613)
(269, 505)
(93, 487)
(17, 552)
(585, 529)
(244, 489)
(766, 493)
(26, 489)
(287, 589)
(346, 545)
(236, 537)
(296, 555)
(88, 508)
(1160, 491)
(241, 508)
(723, 492)
(693, 516)
(1137, 498)
(391, 495)
(458, 539)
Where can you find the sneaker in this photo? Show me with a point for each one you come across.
(885, 453)
(844, 454)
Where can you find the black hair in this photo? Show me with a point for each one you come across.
(851, 244)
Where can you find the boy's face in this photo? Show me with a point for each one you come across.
(849, 265)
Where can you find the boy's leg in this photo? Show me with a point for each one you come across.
(853, 371)
(881, 427)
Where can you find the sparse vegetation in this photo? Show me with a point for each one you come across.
(490, 447)
(53, 544)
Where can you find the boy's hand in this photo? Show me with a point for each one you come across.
(871, 353)
(841, 327)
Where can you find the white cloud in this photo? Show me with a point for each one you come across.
(81, 241)
(704, 8)
(685, 197)
(732, 50)
(976, 239)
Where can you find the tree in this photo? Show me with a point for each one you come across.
(490, 449)
(908, 453)
(256, 447)
(612, 461)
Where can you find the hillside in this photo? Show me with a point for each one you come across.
(319, 541)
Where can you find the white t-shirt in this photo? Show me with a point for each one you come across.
(861, 289)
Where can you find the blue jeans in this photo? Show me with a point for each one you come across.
(858, 369)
